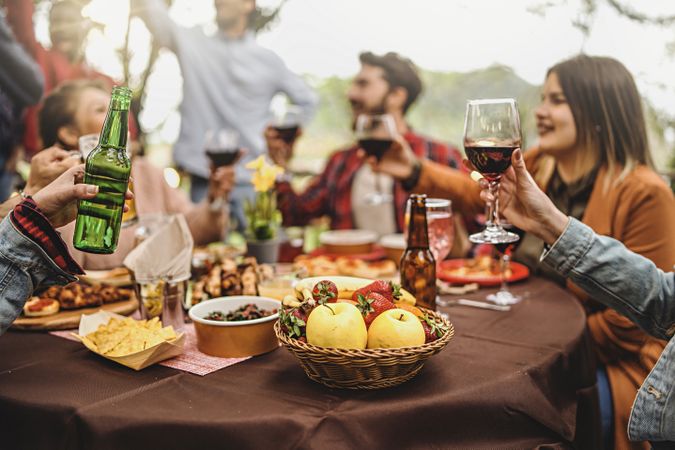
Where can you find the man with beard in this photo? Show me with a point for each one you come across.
(385, 84)
(228, 83)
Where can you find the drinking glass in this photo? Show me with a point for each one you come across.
(440, 227)
(376, 133)
(491, 134)
(86, 143)
(286, 121)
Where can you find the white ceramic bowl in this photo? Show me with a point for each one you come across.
(394, 245)
(235, 339)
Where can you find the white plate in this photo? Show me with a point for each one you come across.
(106, 277)
(348, 237)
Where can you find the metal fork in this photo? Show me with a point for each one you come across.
(476, 304)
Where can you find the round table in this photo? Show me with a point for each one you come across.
(518, 379)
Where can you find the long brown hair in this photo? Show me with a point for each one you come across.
(607, 111)
(59, 108)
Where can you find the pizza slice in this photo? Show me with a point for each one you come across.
(38, 307)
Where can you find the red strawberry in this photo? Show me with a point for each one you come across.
(387, 289)
(372, 305)
(325, 291)
(432, 329)
(429, 335)
(293, 321)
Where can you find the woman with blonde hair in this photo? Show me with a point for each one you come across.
(593, 161)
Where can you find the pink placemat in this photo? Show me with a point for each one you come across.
(191, 360)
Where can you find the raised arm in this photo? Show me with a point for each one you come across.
(20, 76)
(20, 19)
(155, 15)
(617, 277)
(32, 253)
(627, 282)
(298, 91)
(437, 180)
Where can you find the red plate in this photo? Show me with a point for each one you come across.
(518, 272)
(377, 254)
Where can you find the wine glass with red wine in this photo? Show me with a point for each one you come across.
(222, 147)
(286, 121)
(491, 134)
(504, 250)
(376, 133)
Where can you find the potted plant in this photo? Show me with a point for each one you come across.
(263, 216)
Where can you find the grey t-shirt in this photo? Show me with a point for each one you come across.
(227, 83)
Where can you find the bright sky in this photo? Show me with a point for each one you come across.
(324, 37)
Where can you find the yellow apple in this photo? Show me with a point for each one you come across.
(395, 328)
(337, 325)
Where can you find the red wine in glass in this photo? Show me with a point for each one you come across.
(223, 157)
(375, 147)
(287, 134)
(491, 162)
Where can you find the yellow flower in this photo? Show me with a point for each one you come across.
(265, 174)
(257, 163)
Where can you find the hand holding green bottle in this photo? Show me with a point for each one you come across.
(108, 166)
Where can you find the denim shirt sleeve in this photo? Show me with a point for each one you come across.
(617, 277)
(24, 267)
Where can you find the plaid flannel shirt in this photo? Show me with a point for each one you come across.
(329, 194)
(29, 221)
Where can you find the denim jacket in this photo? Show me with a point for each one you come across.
(635, 287)
(24, 267)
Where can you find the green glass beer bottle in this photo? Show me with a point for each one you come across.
(97, 227)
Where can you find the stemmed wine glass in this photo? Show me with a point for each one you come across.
(376, 133)
(491, 134)
(504, 296)
(286, 121)
(222, 148)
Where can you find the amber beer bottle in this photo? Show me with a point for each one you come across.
(97, 227)
(418, 267)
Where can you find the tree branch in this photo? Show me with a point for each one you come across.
(634, 15)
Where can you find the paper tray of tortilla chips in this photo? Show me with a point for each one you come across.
(136, 344)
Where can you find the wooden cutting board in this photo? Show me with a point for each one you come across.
(69, 319)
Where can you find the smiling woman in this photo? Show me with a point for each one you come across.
(594, 162)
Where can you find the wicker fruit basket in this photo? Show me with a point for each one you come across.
(364, 369)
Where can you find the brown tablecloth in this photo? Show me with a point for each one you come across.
(521, 379)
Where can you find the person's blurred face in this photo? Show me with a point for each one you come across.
(229, 13)
(90, 112)
(368, 91)
(67, 30)
(555, 122)
(92, 108)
